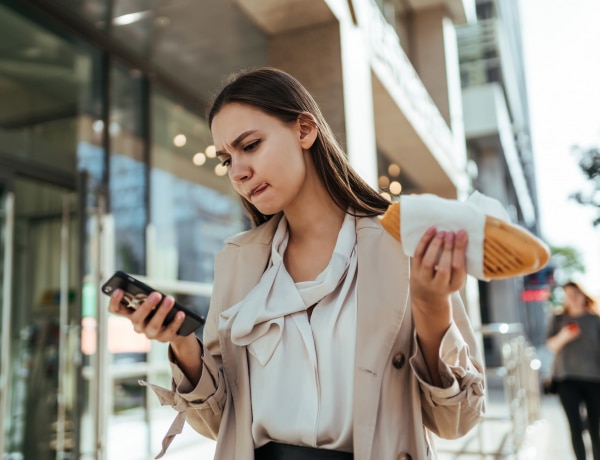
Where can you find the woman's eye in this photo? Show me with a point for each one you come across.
(226, 162)
(251, 146)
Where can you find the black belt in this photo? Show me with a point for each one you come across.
(277, 451)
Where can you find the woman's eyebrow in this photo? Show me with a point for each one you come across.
(238, 140)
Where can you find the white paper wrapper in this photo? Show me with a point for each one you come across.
(419, 212)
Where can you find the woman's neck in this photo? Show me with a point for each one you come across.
(313, 213)
(321, 221)
(576, 311)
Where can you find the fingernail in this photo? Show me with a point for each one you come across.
(450, 237)
(168, 303)
(461, 235)
(441, 234)
(154, 297)
(430, 231)
(116, 293)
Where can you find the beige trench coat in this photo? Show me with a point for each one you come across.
(394, 405)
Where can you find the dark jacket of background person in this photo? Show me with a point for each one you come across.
(574, 337)
(580, 358)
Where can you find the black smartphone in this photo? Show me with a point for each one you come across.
(135, 292)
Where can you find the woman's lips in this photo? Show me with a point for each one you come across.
(258, 189)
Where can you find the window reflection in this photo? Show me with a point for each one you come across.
(193, 210)
(127, 170)
(94, 11)
(42, 81)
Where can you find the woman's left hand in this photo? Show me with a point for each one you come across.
(438, 268)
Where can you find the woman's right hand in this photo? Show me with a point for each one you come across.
(152, 328)
(186, 349)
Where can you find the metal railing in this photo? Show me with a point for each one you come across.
(521, 389)
(520, 381)
(520, 408)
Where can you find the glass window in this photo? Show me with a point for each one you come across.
(193, 206)
(94, 11)
(186, 42)
(393, 180)
(44, 87)
(47, 91)
(127, 169)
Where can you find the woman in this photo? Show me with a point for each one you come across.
(323, 340)
(574, 337)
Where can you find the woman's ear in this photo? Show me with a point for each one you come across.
(308, 129)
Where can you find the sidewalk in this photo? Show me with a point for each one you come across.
(550, 438)
(547, 439)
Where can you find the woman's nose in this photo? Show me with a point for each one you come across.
(239, 172)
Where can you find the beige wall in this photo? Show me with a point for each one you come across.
(429, 57)
(313, 56)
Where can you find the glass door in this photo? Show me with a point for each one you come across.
(6, 238)
(40, 331)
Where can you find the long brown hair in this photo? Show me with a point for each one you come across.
(280, 95)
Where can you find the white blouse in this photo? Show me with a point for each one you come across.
(301, 371)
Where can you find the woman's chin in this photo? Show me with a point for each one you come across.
(266, 210)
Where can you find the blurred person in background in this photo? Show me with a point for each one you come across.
(574, 337)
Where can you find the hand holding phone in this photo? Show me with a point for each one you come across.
(135, 293)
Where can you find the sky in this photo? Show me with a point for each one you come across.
(562, 65)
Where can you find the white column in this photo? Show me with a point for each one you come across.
(358, 103)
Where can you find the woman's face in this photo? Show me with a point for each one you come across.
(265, 157)
(574, 300)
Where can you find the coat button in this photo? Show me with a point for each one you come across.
(404, 457)
(398, 360)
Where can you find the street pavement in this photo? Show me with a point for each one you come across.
(546, 439)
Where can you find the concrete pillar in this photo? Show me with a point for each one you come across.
(358, 104)
(492, 174)
(331, 61)
(434, 52)
(313, 56)
(429, 58)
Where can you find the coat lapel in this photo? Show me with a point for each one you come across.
(240, 267)
(383, 276)
(382, 284)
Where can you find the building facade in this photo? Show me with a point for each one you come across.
(106, 163)
(496, 120)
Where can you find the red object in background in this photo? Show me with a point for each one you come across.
(573, 327)
(535, 295)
